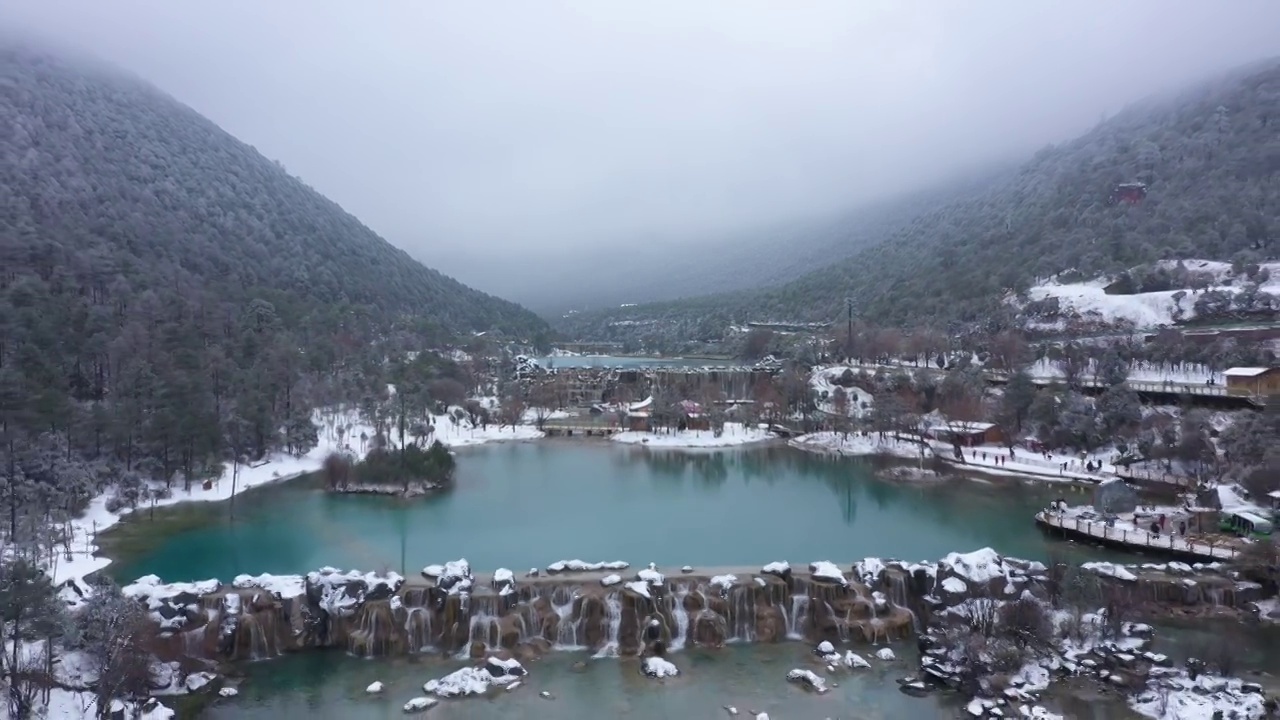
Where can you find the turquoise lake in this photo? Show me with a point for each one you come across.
(525, 505)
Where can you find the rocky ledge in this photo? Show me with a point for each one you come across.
(611, 609)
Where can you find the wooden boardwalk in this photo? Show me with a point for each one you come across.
(1135, 540)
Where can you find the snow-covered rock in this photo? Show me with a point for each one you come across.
(228, 692)
(724, 582)
(374, 688)
(1118, 572)
(853, 661)
(808, 678)
(829, 571)
(824, 648)
(497, 667)
(639, 588)
(885, 654)
(979, 567)
(657, 667)
(560, 566)
(651, 575)
(612, 579)
(467, 681)
(419, 704)
(780, 569)
(340, 593)
(198, 680)
(869, 570)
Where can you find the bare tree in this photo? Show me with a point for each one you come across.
(512, 410)
(117, 637)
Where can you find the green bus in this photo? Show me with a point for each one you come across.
(1245, 523)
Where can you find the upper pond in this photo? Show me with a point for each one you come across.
(529, 504)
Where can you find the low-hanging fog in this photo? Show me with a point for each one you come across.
(529, 148)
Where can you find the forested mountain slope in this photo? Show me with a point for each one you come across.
(169, 296)
(1210, 157)
(107, 172)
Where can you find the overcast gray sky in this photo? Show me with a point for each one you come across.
(460, 129)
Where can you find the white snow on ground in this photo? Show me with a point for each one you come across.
(822, 381)
(1089, 300)
(80, 705)
(858, 444)
(1184, 373)
(276, 468)
(997, 460)
(1198, 699)
(734, 434)
(1144, 310)
(531, 415)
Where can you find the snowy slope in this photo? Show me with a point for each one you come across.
(1090, 301)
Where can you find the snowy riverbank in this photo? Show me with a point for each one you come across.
(858, 444)
(339, 432)
(734, 434)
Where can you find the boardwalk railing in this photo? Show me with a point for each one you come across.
(1149, 476)
(1138, 538)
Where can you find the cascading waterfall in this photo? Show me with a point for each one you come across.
(417, 628)
(742, 616)
(613, 618)
(483, 629)
(567, 627)
(680, 615)
(798, 617)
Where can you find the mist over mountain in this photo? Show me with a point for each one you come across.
(613, 273)
(1209, 156)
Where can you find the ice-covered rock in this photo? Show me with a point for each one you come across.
(228, 692)
(456, 577)
(374, 688)
(885, 654)
(639, 588)
(724, 582)
(612, 579)
(340, 593)
(828, 571)
(780, 569)
(503, 576)
(808, 678)
(853, 660)
(657, 667)
(869, 570)
(467, 681)
(761, 582)
(419, 704)
(979, 567)
(1107, 569)
(498, 667)
(282, 587)
(686, 569)
(825, 648)
(197, 681)
(431, 572)
(651, 575)
(955, 586)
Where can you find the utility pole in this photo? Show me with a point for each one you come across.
(848, 336)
